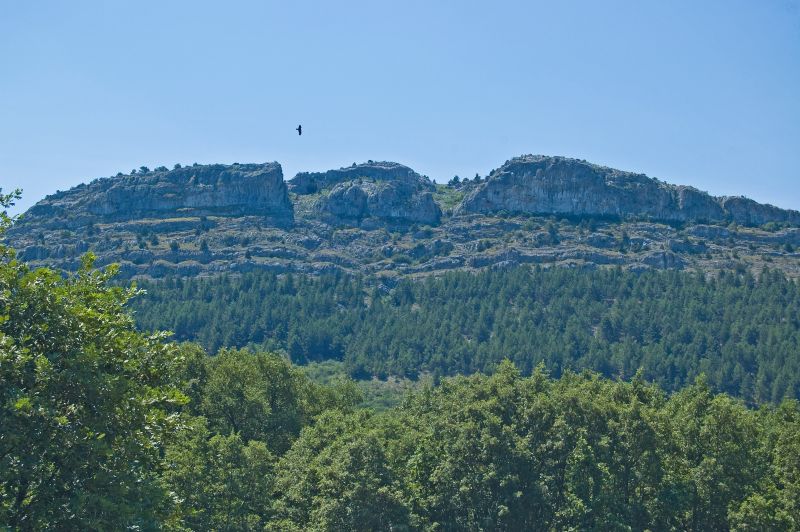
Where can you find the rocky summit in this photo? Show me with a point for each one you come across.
(386, 219)
(535, 184)
(385, 191)
(225, 190)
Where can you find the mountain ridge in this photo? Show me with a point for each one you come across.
(385, 218)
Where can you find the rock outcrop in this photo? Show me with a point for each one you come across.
(312, 182)
(536, 184)
(748, 212)
(222, 190)
(384, 191)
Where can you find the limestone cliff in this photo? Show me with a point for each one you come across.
(536, 184)
(222, 190)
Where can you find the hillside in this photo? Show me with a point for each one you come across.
(742, 332)
(105, 427)
(384, 218)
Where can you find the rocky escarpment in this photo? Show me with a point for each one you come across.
(222, 190)
(370, 192)
(385, 219)
(749, 212)
(536, 184)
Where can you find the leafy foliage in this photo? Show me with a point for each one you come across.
(221, 481)
(249, 408)
(512, 453)
(87, 403)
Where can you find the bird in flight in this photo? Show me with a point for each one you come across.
(300, 129)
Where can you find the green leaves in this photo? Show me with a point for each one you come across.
(255, 395)
(6, 201)
(218, 482)
(85, 404)
(512, 453)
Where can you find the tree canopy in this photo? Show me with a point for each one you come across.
(741, 331)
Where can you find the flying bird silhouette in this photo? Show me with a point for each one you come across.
(300, 129)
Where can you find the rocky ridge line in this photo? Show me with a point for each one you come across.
(537, 184)
(385, 219)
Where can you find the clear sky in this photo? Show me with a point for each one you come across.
(702, 93)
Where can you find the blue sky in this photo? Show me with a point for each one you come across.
(702, 93)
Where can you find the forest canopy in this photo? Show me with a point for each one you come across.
(741, 331)
(103, 427)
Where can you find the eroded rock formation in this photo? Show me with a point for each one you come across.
(226, 190)
(536, 184)
(383, 190)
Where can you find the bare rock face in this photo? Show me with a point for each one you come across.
(663, 260)
(537, 184)
(346, 200)
(745, 211)
(223, 190)
(384, 191)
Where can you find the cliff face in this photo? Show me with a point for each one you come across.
(749, 212)
(537, 184)
(372, 191)
(226, 190)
